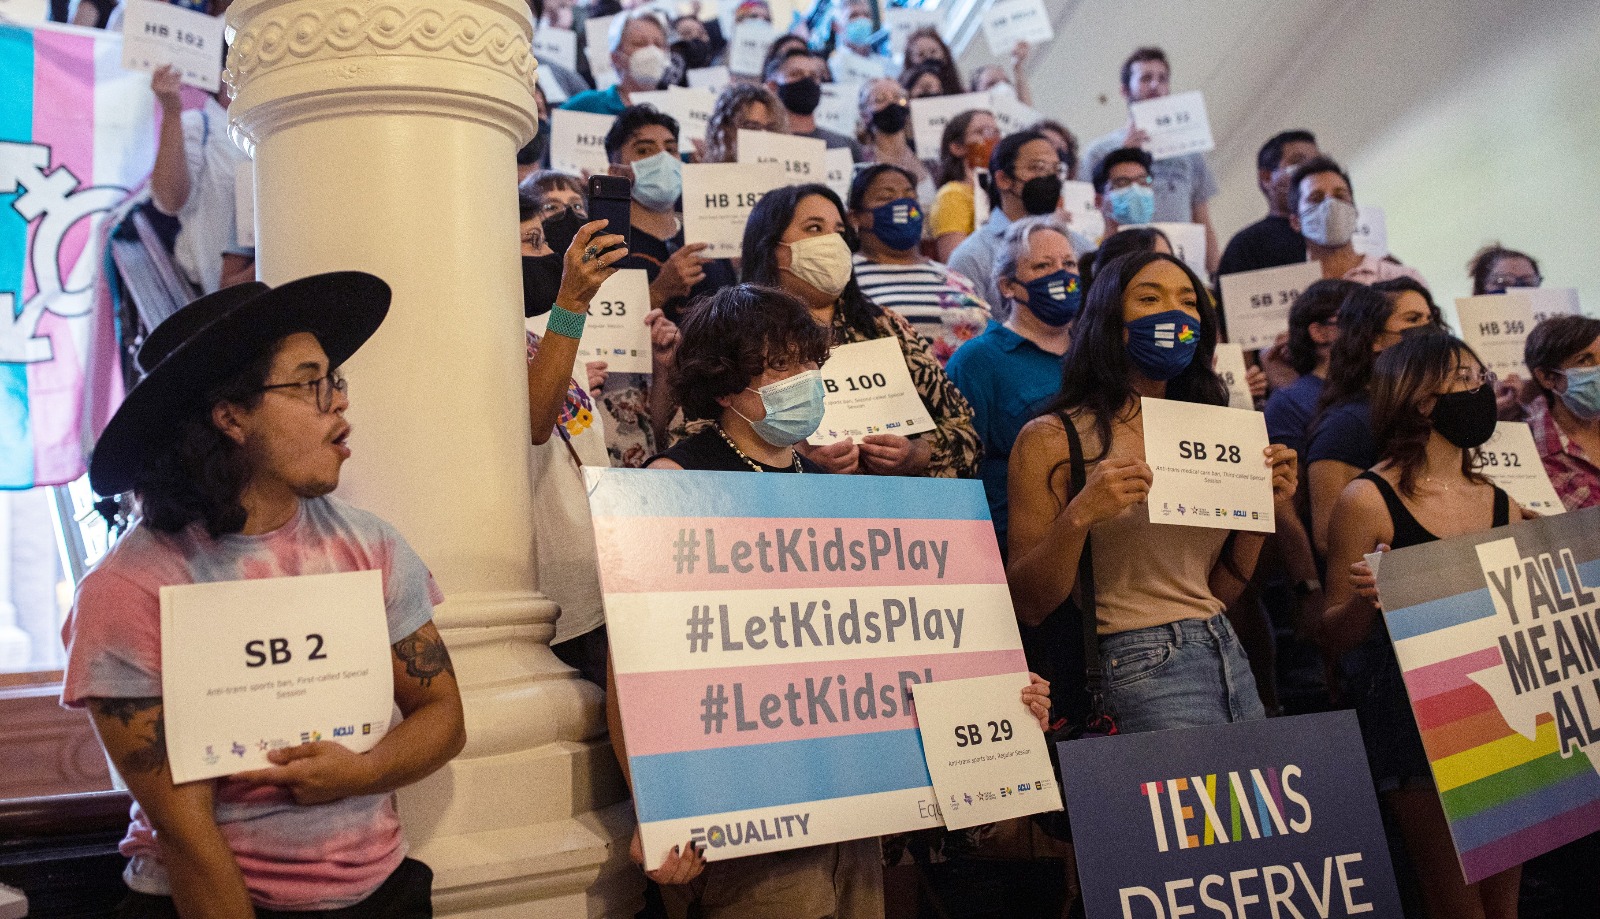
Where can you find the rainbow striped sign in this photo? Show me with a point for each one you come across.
(1497, 636)
(766, 631)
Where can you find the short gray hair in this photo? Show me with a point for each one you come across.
(619, 25)
(1013, 247)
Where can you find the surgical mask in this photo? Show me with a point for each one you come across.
(1330, 223)
(533, 151)
(1466, 419)
(648, 65)
(1582, 397)
(801, 96)
(1163, 345)
(1055, 298)
(898, 224)
(1132, 206)
(541, 281)
(794, 409)
(858, 32)
(1041, 195)
(891, 119)
(658, 181)
(821, 261)
(1004, 90)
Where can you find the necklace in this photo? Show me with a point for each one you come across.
(752, 463)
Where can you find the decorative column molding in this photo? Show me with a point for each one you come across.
(384, 137)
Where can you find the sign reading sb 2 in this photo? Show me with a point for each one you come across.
(260, 652)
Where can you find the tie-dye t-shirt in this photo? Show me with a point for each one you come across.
(292, 856)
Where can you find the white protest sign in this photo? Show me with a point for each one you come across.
(1229, 364)
(870, 392)
(1188, 244)
(1011, 22)
(1209, 466)
(259, 665)
(692, 108)
(1177, 124)
(717, 199)
(1511, 461)
(711, 79)
(903, 20)
(748, 47)
(615, 331)
(1372, 231)
(839, 168)
(24, 12)
(850, 67)
(244, 202)
(1077, 207)
(802, 159)
(1257, 302)
(578, 142)
(558, 45)
(980, 197)
(930, 114)
(554, 92)
(1011, 114)
(988, 759)
(838, 112)
(1496, 326)
(1549, 301)
(156, 34)
(597, 48)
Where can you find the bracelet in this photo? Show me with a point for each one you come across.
(565, 322)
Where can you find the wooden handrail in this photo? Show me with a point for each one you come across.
(29, 822)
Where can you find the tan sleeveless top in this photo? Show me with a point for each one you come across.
(1148, 574)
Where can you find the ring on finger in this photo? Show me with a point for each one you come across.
(590, 253)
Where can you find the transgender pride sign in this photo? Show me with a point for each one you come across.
(766, 631)
(1497, 636)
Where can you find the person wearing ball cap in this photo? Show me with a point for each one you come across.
(231, 443)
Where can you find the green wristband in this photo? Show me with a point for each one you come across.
(566, 322)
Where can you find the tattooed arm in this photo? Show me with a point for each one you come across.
(205, 877)
(432, 732)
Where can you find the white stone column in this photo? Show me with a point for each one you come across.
(384, 138)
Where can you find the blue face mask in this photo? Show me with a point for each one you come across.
(898, 224)
(1132, 206)
(658, 181)
(1055, 298)
(1583, 392)
(858, 31)
(1162, 346)
(794, 409)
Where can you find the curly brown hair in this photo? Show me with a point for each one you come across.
(722, 131)
(733, 336)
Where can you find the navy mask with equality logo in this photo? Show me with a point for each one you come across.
(898, 224)
(1055, 298)
(1163, 345)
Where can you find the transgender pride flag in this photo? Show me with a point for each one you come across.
(766, 632)
(77, 132)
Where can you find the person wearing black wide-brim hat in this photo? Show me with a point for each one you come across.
(231, 443)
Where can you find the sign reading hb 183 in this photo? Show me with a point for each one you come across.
(1259, 818)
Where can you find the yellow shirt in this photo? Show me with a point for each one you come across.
(952, 210)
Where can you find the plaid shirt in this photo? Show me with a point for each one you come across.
(1575, 477)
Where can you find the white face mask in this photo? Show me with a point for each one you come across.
(1004, 90)
(1330, 223)
(648, 65)
(821, 261)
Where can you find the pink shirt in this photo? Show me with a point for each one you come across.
(1372, 270)
(292, 857)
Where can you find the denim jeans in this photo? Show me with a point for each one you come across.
(1183, 674)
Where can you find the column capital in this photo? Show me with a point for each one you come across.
(295, 60)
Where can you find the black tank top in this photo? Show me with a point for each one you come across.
(1407, 531)
(706, 450)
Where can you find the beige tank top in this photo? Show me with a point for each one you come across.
(1148, 574)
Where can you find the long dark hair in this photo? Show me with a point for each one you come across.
(764, 231)
(201, 474)
(953, 168)
(1362, 317)
(1402, 377)
(1095, 377)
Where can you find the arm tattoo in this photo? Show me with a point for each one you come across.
(425, 655)
(151, 754)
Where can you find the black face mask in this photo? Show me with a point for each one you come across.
(801, 97)
(533, 152)
(560, 229)
(541, 281)
(696, 52)
(1466, 419)
(1041, 194)
(891, 119)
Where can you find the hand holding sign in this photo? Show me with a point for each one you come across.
(154, 34)
(1176, 125)
(1209, 467)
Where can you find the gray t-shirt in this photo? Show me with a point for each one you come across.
(835, 141)
(1180, 182)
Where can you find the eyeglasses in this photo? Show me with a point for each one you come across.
(554, 208)
(1040, 168)
(322, 389)
(1121, 182)
(1475, 378)
(1502, 281)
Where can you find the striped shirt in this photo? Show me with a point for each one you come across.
(942, 305)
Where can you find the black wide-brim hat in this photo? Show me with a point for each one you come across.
(209, 340)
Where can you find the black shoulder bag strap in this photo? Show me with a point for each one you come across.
(1098, 723)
